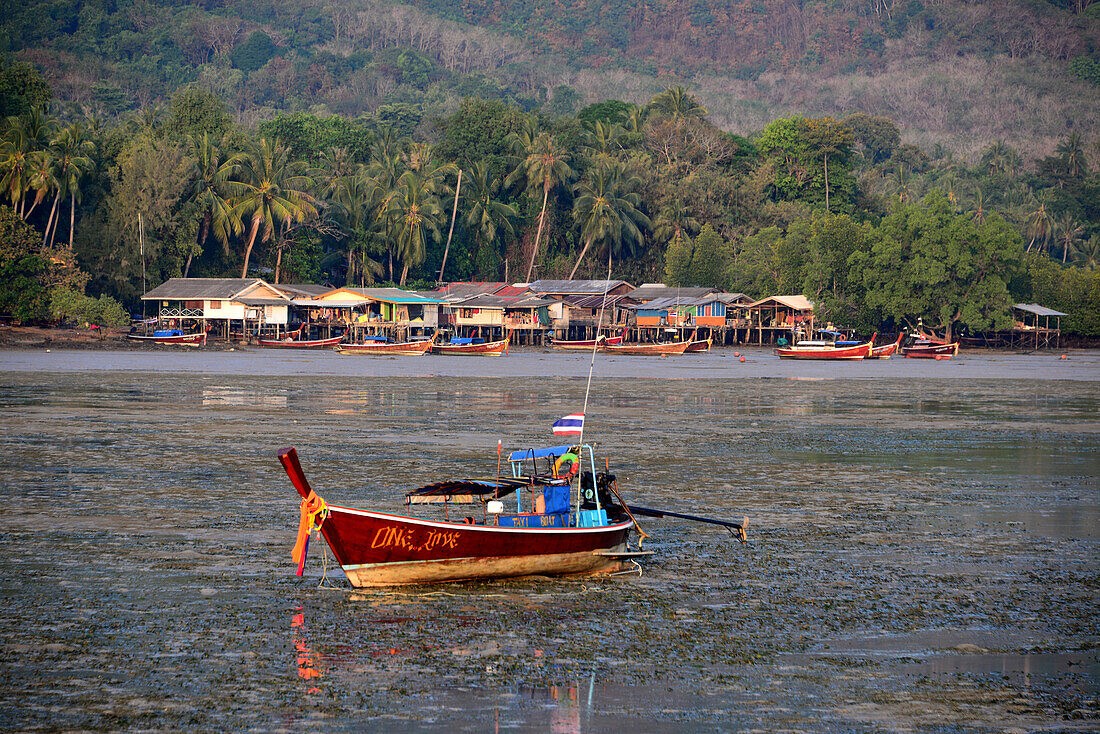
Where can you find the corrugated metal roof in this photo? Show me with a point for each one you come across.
(393, 295)
(669, 303)
(249, 301)
(465, 289)
(573, 287)
(302, 289)
(734, 298)
(798, 303)
(504, 302)
(1038, 310)
(314, 303)
(593, 301)
(196, 289)
(650, 292)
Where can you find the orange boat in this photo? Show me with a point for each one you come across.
(381, 347)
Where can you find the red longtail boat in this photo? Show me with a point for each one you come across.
(658, 348)
(414, 348)
(296, 342)
(585, 344)
(385, 549)
(472, 347)
(886, 350)
(929, 346)
(828, 346)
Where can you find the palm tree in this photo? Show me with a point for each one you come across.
(543, 163)
(1069, 234)
(603, 140)
(74, 159)
(415, 214)
(1000, 157)
(42, 177)
(489, 218)
(15, 166)
(31, 159)
(1072, 154)
(606, 212)
(1039, 221)
(679, 104)
(211, 171)
(979, 206)
(269, 189)
(355, 200)
(674, 222)
(1087, 253)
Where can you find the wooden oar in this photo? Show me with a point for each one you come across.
(739, 527)
(615, 489)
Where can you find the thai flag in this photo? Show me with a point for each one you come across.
(570, 425)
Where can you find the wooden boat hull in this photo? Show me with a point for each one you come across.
(886, 350)
(192, 339)
(585, 344)
(859, 351)
(380, 549)
(931, 351)
(657, 349)
(411, 349)
(486, 349)
(301, 344)
(698, 345)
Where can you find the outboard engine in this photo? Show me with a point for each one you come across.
(601, 488)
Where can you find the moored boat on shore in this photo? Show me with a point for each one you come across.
(472, 346)
(585, 344)
(658, 348)
(171, 336)
(828, 345)
(383, 347)
(296, 342)
(886, 350)
(922, 345)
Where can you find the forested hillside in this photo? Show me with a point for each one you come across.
(375, 142)
(957, 73)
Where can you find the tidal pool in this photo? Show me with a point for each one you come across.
(922, 556)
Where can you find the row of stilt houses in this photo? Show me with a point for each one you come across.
(245, 309)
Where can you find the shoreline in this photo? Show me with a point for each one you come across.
(32, 338)
(1082, 366)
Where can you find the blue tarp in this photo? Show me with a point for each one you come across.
(467, 340)
(546, 453)
(557, 498)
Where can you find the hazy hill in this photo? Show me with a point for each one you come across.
(952, 72)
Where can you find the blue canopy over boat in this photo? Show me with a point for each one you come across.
(552, 451)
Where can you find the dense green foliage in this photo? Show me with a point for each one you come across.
(878, 233)
(67, 305)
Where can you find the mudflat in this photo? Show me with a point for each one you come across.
(923, 549)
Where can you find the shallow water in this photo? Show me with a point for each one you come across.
(922, 556)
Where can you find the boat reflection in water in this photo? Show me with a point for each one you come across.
(307, 660)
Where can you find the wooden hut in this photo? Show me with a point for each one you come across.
(1032, 335)
(775, 315)
(523, 314)
(231, 307)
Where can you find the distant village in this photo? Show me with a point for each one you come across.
(526, 314)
